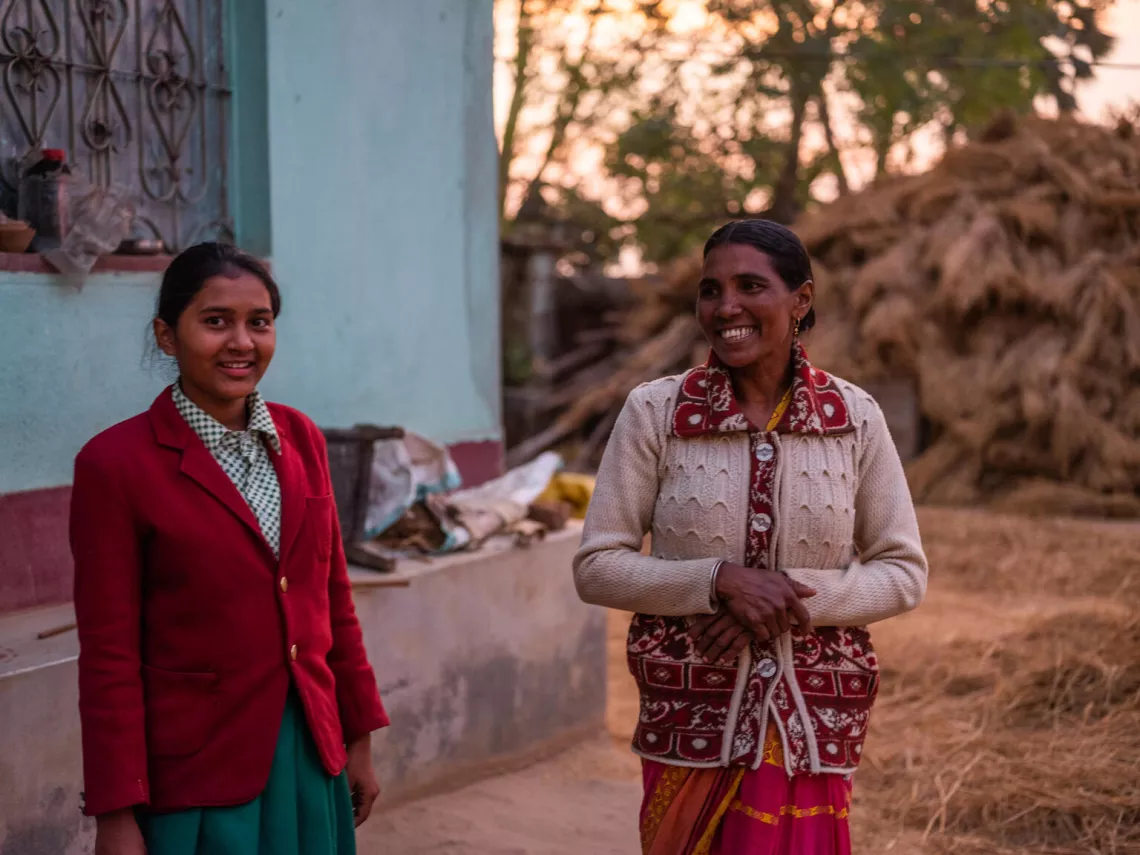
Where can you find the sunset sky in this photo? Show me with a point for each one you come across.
(1113, 87)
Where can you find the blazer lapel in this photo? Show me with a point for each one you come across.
(198, 464)
(291, 477)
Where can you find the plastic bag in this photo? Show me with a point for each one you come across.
(100, 221)
(522, 485)
(500, 504)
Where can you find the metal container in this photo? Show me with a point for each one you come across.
(350, 469)
(44, 201)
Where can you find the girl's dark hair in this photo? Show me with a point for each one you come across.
(778, 243)
(191, 268)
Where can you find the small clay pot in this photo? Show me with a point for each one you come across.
(15, 236)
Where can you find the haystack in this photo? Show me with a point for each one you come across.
(1005, 282)
(1010, 723)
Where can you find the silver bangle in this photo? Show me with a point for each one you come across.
(713, 598)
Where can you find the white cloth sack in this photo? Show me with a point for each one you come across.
(405, 471)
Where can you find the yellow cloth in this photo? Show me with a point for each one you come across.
(572, 488)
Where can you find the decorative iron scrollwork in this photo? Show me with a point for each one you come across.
(31, 80)
(105, 125)
(136, 91)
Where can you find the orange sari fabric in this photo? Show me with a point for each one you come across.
(736, 811)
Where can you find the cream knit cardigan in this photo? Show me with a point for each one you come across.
(845, 522)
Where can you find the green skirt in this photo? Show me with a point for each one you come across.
(301, 811)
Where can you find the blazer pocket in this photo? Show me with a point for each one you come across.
(181, 710)
(318, 517)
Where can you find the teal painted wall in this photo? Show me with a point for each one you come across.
(382, 166)
(71, 364)
(376, 192)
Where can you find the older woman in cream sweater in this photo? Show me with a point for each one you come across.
(781, 527)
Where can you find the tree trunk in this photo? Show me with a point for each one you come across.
(883, 146)
(825, 120)
(784, 205)
(882, 152)
(569, 99)
(518, 99)
(566, 113)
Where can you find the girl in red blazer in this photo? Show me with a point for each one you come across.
(225, 695)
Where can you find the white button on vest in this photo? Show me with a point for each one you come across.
(765, 452)
(761, 523)
(767, 668)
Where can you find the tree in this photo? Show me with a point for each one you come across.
(956, 62)
(908, 62)
(743, 115)
(565, 83)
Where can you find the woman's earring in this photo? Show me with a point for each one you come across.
(796, 328)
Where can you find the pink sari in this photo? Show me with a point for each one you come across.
(735, 811)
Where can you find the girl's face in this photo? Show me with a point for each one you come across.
(224, 340)
(746, 311)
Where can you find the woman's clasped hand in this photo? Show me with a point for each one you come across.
(756, 605)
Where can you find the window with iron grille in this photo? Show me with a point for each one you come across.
(137, 93)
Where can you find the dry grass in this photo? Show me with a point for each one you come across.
(1030, 740)
(1010, 714)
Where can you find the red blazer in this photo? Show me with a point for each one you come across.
(191, 631)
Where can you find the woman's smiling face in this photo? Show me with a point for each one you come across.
(746, 310)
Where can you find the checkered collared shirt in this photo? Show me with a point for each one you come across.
(244, 457)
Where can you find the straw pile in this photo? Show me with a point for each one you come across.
(1010, 717)
(1006, 283)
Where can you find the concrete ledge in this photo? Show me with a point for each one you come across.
(40, 765)
(481, 658)
(487, 661)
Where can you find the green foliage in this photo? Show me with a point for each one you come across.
(957, 62)
(686, 184)
(685, 151)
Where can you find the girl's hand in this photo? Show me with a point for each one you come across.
(118, 833)
(362, 781)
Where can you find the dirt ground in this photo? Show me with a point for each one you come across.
(995, 582)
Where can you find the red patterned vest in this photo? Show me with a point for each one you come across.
(819, 689)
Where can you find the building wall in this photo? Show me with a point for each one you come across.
(72, 364)
(374, 195)
(382, 169)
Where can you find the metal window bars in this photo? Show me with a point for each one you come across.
(137, 92)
